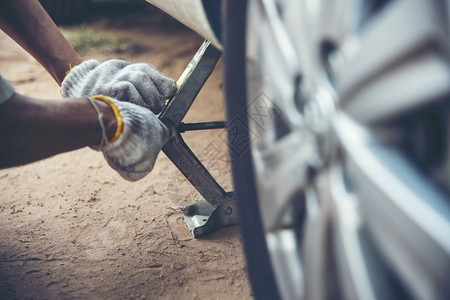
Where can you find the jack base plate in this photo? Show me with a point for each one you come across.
(202, 218)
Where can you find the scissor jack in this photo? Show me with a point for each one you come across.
(217, 209)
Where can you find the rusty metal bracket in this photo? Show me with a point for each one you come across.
(217, 209)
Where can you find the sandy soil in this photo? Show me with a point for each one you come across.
(71, 228)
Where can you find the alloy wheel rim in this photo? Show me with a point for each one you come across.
(334, 177)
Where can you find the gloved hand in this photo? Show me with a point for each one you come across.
(137, 83)
(134, 153)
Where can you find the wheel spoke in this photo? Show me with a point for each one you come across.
(353, 268)
(338, 20)
(283, 165)
(409, 88)
(409, 218)
(408, 37)
(314, 245)
(286, 263)
(275, 53)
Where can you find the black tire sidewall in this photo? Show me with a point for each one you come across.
(255, 247)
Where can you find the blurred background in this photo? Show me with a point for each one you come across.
(70, 12)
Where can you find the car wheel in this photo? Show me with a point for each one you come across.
(339, 133)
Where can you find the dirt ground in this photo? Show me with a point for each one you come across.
(72, 228)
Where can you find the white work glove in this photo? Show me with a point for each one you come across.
(137, 83)
(134, 153)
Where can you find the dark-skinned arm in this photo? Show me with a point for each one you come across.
(30, 26)
(34, 129)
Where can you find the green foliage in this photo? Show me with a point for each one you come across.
(86, 39)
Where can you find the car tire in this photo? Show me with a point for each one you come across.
(340, 186)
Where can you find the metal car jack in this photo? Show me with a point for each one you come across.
(217, 209)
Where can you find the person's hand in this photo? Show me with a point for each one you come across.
(141, 138)
(137, 83)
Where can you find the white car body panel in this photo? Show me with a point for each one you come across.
(191, 13)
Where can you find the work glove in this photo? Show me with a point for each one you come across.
(137, 83)
(139, 138)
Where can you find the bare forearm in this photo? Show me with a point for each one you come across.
(33, 129)
(31, 27)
